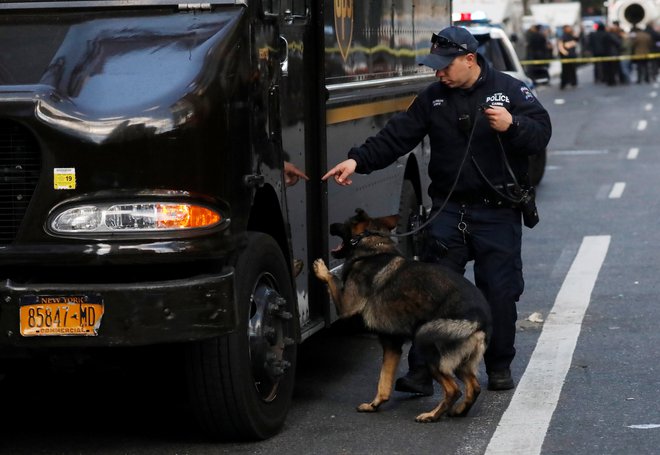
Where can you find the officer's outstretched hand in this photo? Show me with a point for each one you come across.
(499, 118)
(341, 172)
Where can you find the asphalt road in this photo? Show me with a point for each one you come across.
(601, 183)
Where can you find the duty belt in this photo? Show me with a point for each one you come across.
(489, 201)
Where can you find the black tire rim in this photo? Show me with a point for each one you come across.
(268, 333)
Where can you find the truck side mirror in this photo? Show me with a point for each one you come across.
(284, 56)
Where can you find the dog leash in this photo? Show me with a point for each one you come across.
(517, 187)
(451, 190)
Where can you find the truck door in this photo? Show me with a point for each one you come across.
(297, 96)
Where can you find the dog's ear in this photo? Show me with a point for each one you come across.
(361, 215)
(389, 222)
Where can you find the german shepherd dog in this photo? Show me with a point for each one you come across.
(400, 299)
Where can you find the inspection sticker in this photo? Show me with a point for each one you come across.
(64, 178)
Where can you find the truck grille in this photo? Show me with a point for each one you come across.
(20, 165)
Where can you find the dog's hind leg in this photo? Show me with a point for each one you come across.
(472, 391)
(467, 372)
(391, 357)
(452, 393)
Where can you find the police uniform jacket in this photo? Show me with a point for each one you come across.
(440, 112)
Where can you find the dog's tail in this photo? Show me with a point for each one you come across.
(446, 331)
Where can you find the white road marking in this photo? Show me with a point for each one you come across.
(653, 94)
(633, 153)
(560, 101)
(579, 152)
(524, 424)
(617, 190)
(641, 125)
(648, 107)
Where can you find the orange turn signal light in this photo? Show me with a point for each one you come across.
(185, 216)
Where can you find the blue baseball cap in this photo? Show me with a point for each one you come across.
(448, 44)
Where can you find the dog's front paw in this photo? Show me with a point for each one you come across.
(367, 407)
(321, 270)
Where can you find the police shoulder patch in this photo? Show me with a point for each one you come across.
(526, 93)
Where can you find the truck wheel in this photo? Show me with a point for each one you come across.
(241, 384)
(408, 208)
(537, 167)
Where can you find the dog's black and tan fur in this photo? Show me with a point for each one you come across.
(401, 299)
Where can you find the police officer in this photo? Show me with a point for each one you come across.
(476, 222)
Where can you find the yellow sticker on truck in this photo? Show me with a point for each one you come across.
(64, 178)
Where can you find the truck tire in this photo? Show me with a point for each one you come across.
(241, 384)
(408, 208)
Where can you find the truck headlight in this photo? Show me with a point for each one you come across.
(134, 217)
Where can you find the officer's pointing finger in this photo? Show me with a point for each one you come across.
(330, 173)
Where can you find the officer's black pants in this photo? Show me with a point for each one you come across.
(493, 241)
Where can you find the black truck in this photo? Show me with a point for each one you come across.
(143, 198)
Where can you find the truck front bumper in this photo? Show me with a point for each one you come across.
(133, 314)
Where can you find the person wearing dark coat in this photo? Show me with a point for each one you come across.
(538, 48)
(596, 44)
(611, 68)
(654, 63)
(472, 110)
(567, 47)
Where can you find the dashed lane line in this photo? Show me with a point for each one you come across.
(617, 190)
(524, 424)
(579, 152)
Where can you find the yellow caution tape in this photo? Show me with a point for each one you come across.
(591, 59)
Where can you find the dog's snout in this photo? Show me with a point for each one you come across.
(336, 229)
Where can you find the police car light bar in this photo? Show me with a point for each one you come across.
(473, 16)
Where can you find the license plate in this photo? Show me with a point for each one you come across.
(76, 315)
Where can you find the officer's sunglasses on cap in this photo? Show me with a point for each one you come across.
(439, 41)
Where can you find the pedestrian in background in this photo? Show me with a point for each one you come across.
(642, 45)
(567, 48)
(538, 48)
(625, 49)
(654, 64)
(597, 47)
(611, 48)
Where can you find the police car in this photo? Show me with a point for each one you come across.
(497, 48)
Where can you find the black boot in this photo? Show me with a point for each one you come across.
(417, 381)
(500, 380)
